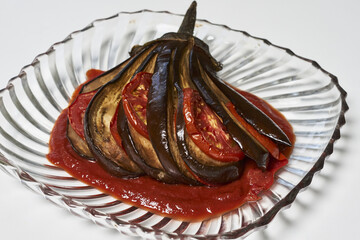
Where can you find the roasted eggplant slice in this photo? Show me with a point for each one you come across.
(171, 117)
(205, 169)
(98, 116)
(163, 147)
(132, 129)
(157, 113)
(136, 156)
(104, 78)
(78, 144)
(255, 117)
(251, 147)
(201, 165)
(76, 110)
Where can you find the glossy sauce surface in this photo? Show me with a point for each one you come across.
(183, 202)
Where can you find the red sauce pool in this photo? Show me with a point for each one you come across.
(182, 202)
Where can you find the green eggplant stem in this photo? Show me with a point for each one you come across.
(188, 23)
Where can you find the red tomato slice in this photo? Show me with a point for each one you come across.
(207, 131)
(78, 106)
(134, 101)
(114, 129)
(77, 111)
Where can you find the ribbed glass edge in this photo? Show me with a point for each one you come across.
(106, 220)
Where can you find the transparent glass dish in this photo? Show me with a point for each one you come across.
(309, 97)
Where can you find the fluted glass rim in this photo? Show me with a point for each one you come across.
(263, 221)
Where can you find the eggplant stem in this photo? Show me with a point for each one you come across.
(188, 23)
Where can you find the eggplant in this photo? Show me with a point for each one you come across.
(251, 147)
(158, 116)
(104, 78)
(207, 170)
(77, 143)
(177, 61)
(171, 119)
(143, 151)
(248, 111)
(99, 113)
(149, 166)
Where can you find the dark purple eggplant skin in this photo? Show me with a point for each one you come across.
(178, 159)
(251, 114)
(211, 175)
(77, 143)
(250, 146)
(103, 78)
(156, 114)
(129, 143)
(107, 163)
(133, 153)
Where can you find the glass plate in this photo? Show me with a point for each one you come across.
(309, 97)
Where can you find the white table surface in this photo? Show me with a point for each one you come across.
(323, 30)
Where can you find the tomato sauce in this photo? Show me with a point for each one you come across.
(182, 202)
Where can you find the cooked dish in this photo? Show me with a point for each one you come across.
(161, 131)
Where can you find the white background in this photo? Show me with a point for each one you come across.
(323, 30)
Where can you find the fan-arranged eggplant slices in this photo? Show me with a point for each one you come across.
(163, 132)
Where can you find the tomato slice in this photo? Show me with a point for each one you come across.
(135, 97)
(206, 129)
(114, 130)
(78, 107)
